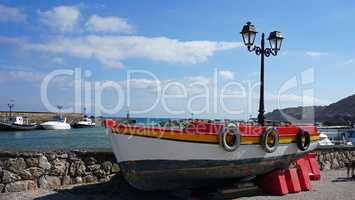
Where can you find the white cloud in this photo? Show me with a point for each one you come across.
(198, 79)
(57, 60)
(11, 14)
(25, 75)
(316, 53)
(112, 50)
(348, 62)
(143, 83)
(35, 78)
(226, 75)
(62, 18)
(108, 25)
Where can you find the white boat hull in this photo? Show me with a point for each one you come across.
(84, 124)
(154, 164)
(55, 126)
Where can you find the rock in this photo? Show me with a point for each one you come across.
(100, 173)
(115, 168)
(21, 186)
(49, 182)
(15, 164)
(93, 168)
(78, 180)
(2, 186)
(59, 167)
(32, 162)
(51, 156)
(0, 174)
(91, 161)
(348, 155)
(320, 157)
(111, 176)
(327, 157)
(66, 180)
(35, 171)
(63, 156)
(326, 165)
(77, 168)
(9, 177)
(107, 166)
(72, 157)
(43, 163)
(104, 179)
(335, 164)
(90, 179)
(25, 175)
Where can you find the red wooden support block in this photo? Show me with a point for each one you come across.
(303, 177)
(293, 183)
(303, 162)
(315, 171)
(274, 183)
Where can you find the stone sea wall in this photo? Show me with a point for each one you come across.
(27, 171)
(334, 157)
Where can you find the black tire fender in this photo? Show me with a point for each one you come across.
(303, 140)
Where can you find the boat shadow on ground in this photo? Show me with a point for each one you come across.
(116, 188)
(344, 179)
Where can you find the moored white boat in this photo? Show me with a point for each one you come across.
(85, 123)
(164, 159)
(57, 124)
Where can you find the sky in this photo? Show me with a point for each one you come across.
(155, 58)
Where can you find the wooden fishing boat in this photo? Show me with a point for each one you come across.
(205, 153)
(16, 124)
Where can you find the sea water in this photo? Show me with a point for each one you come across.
(79, 138)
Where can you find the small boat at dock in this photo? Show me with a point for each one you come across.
(84, 123)
(59, 123)
(17, 124)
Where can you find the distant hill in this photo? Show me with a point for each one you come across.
(338, 113)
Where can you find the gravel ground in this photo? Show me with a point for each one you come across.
(333, 185)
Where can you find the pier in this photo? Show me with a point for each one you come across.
(38, 117)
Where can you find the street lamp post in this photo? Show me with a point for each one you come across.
(10, 105)
(275, 39)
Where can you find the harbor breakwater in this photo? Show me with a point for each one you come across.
(27, 171)
(38, 117)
